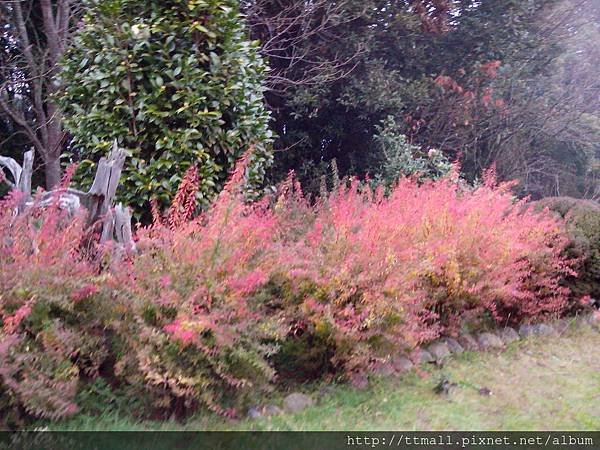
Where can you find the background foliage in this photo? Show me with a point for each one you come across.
(484, 82)
(583, 224)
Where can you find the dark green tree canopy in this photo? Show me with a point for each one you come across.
(482, 81)
(177, 83)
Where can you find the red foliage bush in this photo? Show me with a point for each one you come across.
(366, 273)
(380, 273)
(197, 315)
(198, 339)
(49, 328)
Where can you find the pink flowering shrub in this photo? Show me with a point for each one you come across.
(50, 331)
(200, 340)
(392, 272)
(212, 311)
(338, 284)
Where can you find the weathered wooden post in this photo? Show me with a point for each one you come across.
(101, 195)
(98, 201)
(21, 175)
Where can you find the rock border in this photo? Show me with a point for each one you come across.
(490, 340)
(436, 352)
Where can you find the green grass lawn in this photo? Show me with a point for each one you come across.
(537, 384)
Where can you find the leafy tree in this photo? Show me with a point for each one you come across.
(524, 109)
(481, 81)
(177, 83)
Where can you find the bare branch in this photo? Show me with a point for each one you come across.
(29, 69)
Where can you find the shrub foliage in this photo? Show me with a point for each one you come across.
(583, 225)
(209, 309)
(51, 320)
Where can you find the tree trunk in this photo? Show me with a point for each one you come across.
(37, 62)
(53, 143)
(52, 171)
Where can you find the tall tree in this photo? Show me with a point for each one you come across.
(35, 36)
(478, 80)
(177, 84)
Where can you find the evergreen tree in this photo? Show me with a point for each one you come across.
(177, 83)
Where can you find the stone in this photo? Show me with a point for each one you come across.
(384, 369)
(254, 413)
(359, 381)
(296, 402)
(439, 350)
(258, 412)
(540, 329)
(561, 326)
(485, 392)
(454, 346)
(508, 335)
(544, 330)
(585, 319)
(445, 387)
(402, 363)
(526, 330)
(489, 341)
(468, 342)
(594, 320)
(325, 391)
(420, 356)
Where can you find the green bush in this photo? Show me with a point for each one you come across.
(399, 158)
(583, 224)
(177, 83)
